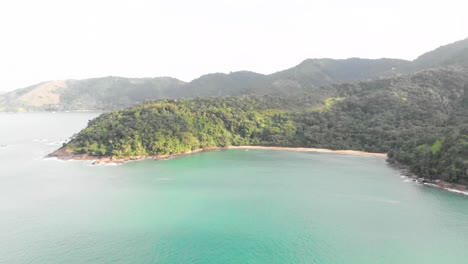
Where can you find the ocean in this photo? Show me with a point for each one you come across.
(226, 206)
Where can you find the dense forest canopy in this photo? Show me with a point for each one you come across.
(419, 119)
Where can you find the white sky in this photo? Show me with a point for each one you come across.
(61, 39)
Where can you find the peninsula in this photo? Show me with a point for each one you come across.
(419, 120)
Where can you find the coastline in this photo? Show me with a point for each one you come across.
(64, 154)
(321, 150)
(436, 183)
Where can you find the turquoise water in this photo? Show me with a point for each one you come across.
(236, 206)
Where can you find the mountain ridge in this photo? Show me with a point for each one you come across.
(108, 93)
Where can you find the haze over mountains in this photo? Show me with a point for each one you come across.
(116, 92)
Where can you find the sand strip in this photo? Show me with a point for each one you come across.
(344, 152)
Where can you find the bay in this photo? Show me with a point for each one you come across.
(232, 206)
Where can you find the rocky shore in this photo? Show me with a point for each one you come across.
(405, 171)
(64, 154)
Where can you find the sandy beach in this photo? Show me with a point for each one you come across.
(344, 152)
(64, 154)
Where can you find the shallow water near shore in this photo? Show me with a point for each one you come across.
(228, 206)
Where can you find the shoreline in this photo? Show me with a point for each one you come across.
(436, 183)
(64, 154)
(320, 150)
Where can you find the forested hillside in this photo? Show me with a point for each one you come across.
(454, 53)
(419, 119)
(111, 93)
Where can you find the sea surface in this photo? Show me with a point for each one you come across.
(231, 206)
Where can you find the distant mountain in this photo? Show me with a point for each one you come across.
(455, 53)
(116, 92)
(318, 72)
(220, 84)
(88, 94)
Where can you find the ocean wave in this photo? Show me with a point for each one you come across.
(53, 159)
(57, 159)
(112, 164)
(408, 179)
(456, 191)
(447, 189)
(96, 163)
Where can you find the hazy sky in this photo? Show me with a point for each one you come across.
(61, 39)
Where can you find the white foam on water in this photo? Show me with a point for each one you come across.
(53, 159)
(447, 189)
(50, 158)
(54, 143)
(457, 191)
(57, 159)
(409, 179)
(105, 164)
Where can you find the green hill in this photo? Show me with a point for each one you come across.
(419, 119)
(455, 53)
(319, 72)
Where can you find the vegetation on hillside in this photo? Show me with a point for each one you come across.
(419, 119)
(175, 126)
(454, 53)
